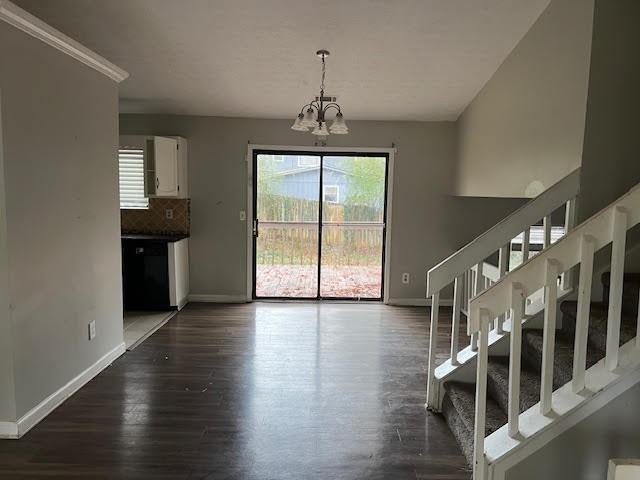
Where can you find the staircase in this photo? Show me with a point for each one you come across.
(543, 354)
(458, 405)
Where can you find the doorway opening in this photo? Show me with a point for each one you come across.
(319, 225)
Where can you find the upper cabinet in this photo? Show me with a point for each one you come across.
(166, 167)
(165, 160)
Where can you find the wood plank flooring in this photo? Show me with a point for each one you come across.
(255, 391)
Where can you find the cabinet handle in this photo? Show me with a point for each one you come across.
(157, 183)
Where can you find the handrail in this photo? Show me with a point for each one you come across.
(484, 245)
(508, 294)
(566, 253)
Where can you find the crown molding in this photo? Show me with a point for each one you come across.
(23, 20)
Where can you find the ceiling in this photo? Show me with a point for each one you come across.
(390, 59)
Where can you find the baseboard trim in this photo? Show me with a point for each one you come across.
(206, 298)
(53, 401)
(8, 430)
(417, 302)
(182, 303)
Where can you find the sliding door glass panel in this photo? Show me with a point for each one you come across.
(353, 215)
(287, 216)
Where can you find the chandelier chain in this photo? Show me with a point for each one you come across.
(323, 75)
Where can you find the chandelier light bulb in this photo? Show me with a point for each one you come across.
(339, 126)
(298, 126)
(321, 130)
(309, 119)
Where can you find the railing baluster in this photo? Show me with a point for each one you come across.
(455, 322)
(526, 238)
(479, 461)
(517, 307)
(433, 340)
(587, 247)
(619, 234)
(569, 223)
(503, 266)
(549, 335)
(546, 222)
(476, 290)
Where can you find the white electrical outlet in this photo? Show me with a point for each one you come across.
(92, 330)
(243, 215)
(406, 278)
(168, 213)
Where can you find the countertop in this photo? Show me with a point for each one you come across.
(154, 238)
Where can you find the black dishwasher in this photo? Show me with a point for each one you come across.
(145, 275)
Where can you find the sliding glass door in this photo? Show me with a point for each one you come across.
(319, 225)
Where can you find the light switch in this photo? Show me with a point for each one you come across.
(243, 215)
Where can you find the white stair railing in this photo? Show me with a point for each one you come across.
(577, 247)
(467, 270)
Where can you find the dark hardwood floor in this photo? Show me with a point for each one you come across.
(256, 391)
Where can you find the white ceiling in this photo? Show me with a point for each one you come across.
(390, 59)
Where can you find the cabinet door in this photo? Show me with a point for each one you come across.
(166, 166)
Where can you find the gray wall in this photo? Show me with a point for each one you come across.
(527, 123)
(428, 224)
(60, 134)
(582, 453)
(7, 387)
(611, 158)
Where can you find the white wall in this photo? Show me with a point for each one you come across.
(428, 224)
(527, 124)
(60, 131)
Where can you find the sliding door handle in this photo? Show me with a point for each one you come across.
(256, 231)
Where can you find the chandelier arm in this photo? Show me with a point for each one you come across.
(332, 104)
(310, 105)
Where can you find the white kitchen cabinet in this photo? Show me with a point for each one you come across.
(166, 167)
(178, 258)
(183, 183)
(165, 161)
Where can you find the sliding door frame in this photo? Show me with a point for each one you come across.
(253, 150)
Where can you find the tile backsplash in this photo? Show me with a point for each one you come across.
(154, 220)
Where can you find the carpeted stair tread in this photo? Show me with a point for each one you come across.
(563, 359)
(498, 383)
(459, 409)
(597, 323)
(463, 397)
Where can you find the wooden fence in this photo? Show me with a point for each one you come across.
(351, 234)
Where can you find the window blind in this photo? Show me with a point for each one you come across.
(131, 163)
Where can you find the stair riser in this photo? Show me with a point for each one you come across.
(462, 434)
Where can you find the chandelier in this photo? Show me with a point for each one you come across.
(312, 115)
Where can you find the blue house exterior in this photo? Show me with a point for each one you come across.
(298, 177)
